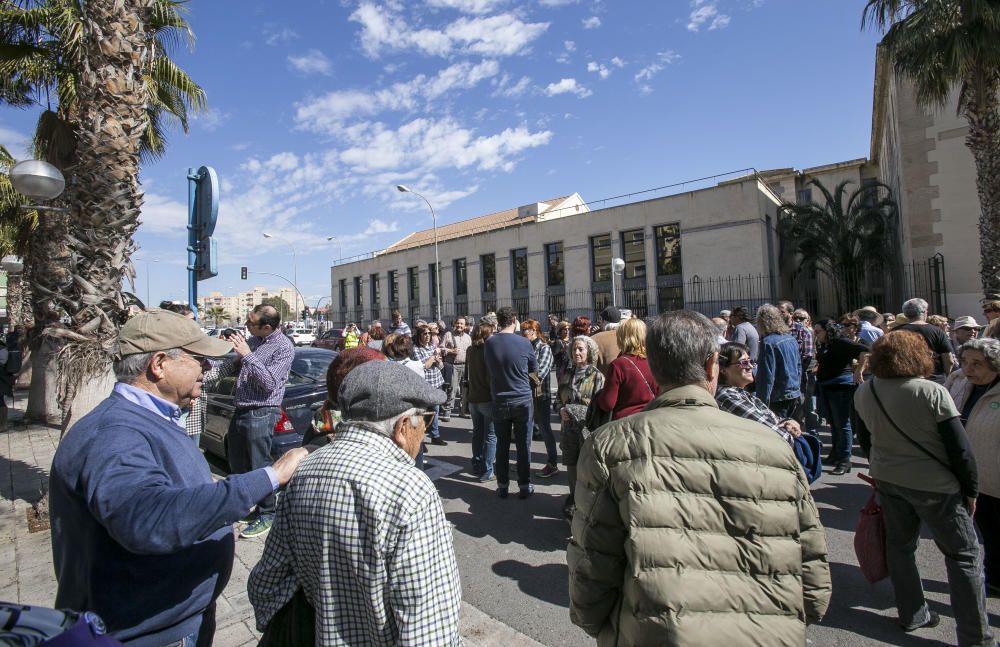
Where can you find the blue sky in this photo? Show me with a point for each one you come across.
(317, 111)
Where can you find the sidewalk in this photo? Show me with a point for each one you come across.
(27, 576)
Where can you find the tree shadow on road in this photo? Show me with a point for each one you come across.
(20, 480)
(548, 582)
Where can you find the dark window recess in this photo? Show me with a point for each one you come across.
(668, 250)
(669, 298)
(600, 258)
(555, 272)
(413, 286)
(393, 286)
(519, 268)
(343, 293)
(376, 289)
(358, 297)
(461, 278)
(805, 196)
(634, 254)
(488, 263)
(432, 280)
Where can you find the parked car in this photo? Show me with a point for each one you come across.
(332, 339)
(302, 336)
(305, 393)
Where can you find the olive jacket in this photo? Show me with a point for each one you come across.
(694, 527)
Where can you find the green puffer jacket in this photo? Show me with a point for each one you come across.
(694, 527)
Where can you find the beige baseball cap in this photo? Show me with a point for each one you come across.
(156, 330)
(965, 322)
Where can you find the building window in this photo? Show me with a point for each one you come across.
(870, 197)
(669, 298)
(488, 264)
(413, 285)
(554, 268)
(519, 268)
(343, 293)
(634, 254)
(432, 279)
(393, 287)
(806, 196)
(601, 301)
(376, 290)
(358, 300)
(461, 278)
(600, 258)
(668, 249)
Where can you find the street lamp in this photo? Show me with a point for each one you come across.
(37, 179)
(146, 262)
(617, 267)
(295, 269)
(437, 262)
(340, 250)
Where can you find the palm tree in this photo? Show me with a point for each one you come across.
(844, 237)
(217, 314)
(279, 304)
(939, 44)
(105, 64)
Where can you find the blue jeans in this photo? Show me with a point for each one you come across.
(839, 406)
(512, 418)
(249, 445)
(434, 431)
(484, 437)
(543, 418)
(945, 515)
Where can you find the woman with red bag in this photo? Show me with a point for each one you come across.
(925, 473)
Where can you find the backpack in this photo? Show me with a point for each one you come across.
(809, 450)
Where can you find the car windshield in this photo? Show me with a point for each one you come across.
(309, 365)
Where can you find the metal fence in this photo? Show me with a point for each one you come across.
(821, 295)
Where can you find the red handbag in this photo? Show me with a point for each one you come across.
(869, 537)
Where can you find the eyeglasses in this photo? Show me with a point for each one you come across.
(202, 360)
(428, 417)
(798, 318)
(746, 362)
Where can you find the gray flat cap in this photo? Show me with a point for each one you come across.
(381, 390)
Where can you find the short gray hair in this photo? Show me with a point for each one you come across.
(990, 348)
(915, 309)
(678, 344)
(383, 427)
(129, 367)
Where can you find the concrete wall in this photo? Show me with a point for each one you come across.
(723, 232)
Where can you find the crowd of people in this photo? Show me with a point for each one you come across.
(665, 428)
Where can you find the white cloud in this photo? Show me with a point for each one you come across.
(500, 35)
(469, 6)
(600, 68)
(644, 75)
(211, 119)
(312, 62)
(328, 112)
(556, 3)
(161, 215)
(569, 45)
(18, 144)
(428, 144)
(617, 62)
(567, 86)
(591, 23)
(704, 12)
(506, 88)
(283, 35)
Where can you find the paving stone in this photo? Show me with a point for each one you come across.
(235, 635)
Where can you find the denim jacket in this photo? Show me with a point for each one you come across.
(779, 368)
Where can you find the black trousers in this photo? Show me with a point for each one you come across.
(988, 523)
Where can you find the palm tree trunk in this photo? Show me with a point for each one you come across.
(104, 197)
(983, 141)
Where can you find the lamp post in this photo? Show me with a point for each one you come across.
(295, 270)
(617, 267)
(146, 263)
(437, 262)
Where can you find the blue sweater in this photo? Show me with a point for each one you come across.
(509, 359)
(141, 534)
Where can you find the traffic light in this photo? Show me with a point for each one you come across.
(243, 273)
(305, 313)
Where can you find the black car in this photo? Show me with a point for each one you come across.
(305, 393)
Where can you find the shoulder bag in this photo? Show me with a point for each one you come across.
(869, 537)
(641, 376)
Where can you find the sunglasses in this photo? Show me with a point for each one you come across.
(798, 318)
(428, 417)
(746, 362)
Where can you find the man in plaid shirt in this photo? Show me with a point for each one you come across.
(361, 529)
(807, 354)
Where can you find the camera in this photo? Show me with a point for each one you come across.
(229, 331)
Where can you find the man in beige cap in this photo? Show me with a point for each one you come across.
(141, 534)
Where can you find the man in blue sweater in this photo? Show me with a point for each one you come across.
(509, 359)
(141, 534)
